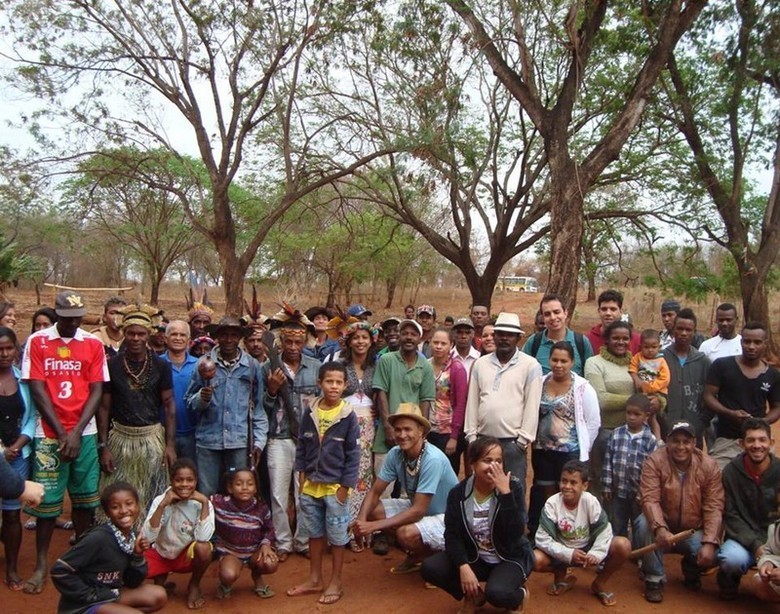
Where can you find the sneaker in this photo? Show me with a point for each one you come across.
(381, 545)
(654, 592)
(692, 583)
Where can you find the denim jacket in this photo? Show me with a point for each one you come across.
(304, 391)
(223, 422)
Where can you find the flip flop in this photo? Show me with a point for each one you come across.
(34, 588)
(607, 599)
(264, 592)
(564, 586)
(355, 547)
(405, 567)
(330, 598)
(65, 525)
(224, 592)
(300, 591)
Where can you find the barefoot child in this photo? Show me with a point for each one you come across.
(179, 526)
(104, 572)
(244, 534)
(627, 448)
(650, 372)
(574, 532)
(328, 456)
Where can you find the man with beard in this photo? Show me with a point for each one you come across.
(739, 387)
(504, 395)
(751, 483)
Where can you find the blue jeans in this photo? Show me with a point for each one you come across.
(653, 562)
(212, 465)
(185, 446)
(734, 561)
(625, 512)
(325, 517)
(515, 458)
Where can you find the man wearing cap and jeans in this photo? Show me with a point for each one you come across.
(426, 478)
(680, 489)
(426, 318)
(504, 395)
(463, 350)
(65, 367)
(224, 404)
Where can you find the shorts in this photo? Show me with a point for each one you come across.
(158, 565)
(80, 476)
(431, 528)
(22, 467)
(325, 517)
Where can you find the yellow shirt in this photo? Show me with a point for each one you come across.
(325, 417)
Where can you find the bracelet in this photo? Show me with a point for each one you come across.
(100, 446)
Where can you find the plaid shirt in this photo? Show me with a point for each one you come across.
(623, 461)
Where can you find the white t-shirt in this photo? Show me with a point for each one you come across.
(718, 347)
(481, 528)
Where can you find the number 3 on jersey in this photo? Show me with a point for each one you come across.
(66, 390)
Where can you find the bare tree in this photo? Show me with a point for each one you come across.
(234, 77)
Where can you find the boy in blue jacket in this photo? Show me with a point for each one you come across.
(327, 456)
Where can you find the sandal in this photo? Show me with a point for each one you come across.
(564, 586)
(224, 592)
(607, 599)
(264, 592)
(355, 547)
(405, 567)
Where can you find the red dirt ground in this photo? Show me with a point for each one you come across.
(368, 584)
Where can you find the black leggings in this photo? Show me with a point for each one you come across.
(505, 580)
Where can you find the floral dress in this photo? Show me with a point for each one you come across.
(360, 396)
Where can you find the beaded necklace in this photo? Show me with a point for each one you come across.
(412, 468)
(138, 377)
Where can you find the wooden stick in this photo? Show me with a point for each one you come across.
(677, 537)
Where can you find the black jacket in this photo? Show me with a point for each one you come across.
(507, 526)
(750, 508)
(93, 571)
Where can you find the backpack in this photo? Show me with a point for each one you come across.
(579, 344)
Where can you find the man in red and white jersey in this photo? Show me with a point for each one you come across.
(65, 367)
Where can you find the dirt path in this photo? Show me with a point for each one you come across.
(370, 587)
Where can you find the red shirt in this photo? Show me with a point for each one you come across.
(67, 368)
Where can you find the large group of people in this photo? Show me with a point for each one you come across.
(244, 441)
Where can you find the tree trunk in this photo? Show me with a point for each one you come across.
(566, 228)
(591, 286)
(390, 285)
(481, 287)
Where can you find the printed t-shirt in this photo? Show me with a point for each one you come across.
(67, 368)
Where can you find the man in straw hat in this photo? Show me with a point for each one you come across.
(65, 367)
(425, 475)
(227, 394)
(504, 394)
(137, 449)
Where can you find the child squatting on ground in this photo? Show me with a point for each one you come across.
(179, 526)
(327, 457)
(104, 572)
(244, 534)
(574, 532)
